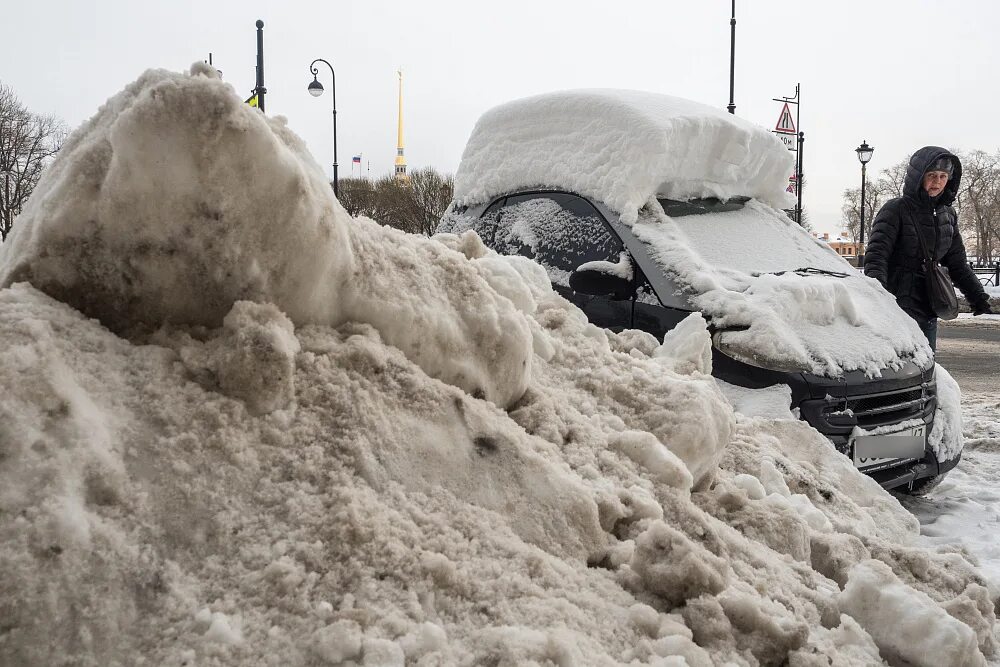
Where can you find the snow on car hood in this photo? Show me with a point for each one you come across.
(621, 147)
(740, 270)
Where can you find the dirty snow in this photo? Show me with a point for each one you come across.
(394, 450)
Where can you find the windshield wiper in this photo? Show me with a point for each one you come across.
(806, 271)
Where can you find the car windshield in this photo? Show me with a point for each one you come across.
(744, 236)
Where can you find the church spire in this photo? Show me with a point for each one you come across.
(400, 160)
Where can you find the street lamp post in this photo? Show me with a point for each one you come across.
(732, 60)
(864, 152)
(316, 89)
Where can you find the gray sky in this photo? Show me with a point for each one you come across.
(899, 73)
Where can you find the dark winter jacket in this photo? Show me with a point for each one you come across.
(894, 256)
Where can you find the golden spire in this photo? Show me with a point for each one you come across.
(400, 160)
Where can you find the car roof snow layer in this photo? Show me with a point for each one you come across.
(621, 147)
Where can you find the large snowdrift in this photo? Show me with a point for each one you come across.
(138, 223)
(622, 147)
(236, 478)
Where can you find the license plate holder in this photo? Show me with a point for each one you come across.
(886, 449)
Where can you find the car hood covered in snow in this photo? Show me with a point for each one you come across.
(784, 297)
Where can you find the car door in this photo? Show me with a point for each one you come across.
(561, 231)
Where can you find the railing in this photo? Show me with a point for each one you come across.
(989, 276)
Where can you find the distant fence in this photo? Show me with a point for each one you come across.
(989, 276)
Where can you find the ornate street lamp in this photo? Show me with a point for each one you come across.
(864, 152)
(316, 89)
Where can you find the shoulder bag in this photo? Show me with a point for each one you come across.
(940, 291)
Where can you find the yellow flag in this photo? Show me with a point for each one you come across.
(252, 100)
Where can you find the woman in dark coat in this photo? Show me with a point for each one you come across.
(894, 255)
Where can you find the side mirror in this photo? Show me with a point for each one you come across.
(596, 279)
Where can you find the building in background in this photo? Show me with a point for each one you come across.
(842, 245)
(400, 160)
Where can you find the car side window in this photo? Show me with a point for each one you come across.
(558, 230)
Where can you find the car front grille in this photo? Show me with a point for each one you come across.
(874, 410)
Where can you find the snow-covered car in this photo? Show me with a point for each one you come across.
(644, 208)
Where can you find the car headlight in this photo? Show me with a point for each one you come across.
(731, 344)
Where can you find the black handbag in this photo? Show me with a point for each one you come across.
(940, 291)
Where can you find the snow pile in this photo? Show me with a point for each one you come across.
(923, 633)
(138, 223)
(954, 514)
(946, 437)
(622, 147)
(271, 490)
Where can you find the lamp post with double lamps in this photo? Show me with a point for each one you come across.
(864, 152)
(316, 89)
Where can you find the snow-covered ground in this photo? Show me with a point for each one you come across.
(964, 511)
(239, 427)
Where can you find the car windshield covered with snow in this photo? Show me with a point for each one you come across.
(645, 208)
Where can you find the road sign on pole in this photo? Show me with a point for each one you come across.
(786, 124)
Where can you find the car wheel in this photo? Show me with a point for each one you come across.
(922, 487)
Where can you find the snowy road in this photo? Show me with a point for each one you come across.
(965, 510)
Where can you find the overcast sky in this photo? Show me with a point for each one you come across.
(899, 73)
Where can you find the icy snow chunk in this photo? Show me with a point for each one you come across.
(683, 650)
(337, 642)
(382, 653)
(256, 362)
(687, 348)
(502, 276)
(772, 479)
(921, 632)
(674, 567)
(222, 629)
(425, 638)
(620, 269)
(848, 641)
(621, 147)
(974, 607)
(437, 308)
(663, 465)
(754, 489)
(946, 439)
(519, 645)
(769, 402)
(467, 242)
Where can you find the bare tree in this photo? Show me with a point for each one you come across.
(414, 205)
(851, 209)
(357, 196)
(27, 143)
(979, 204)
(878, 191)
(431, 194)
(890, 180)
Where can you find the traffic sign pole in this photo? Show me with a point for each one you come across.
(790, 135)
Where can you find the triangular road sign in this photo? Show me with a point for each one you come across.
(785, 122)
